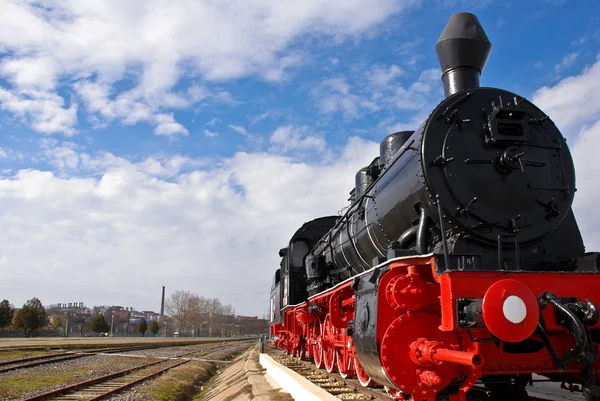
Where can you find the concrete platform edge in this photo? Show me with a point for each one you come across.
(293, 383)
(261, 389)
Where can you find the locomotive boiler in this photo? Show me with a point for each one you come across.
(458, 260)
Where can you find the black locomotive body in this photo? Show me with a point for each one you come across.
(289, 281)
(484, 187)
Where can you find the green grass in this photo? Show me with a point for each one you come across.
(18, 354)
(206, 386)
(180, 383)
(14, 385)
(121, 342)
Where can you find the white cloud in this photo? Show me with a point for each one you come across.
(44, 111)
(212, 122)
(335, 95)
(131, 108)
(224, 97)
(154, 44)
(259, 118)
(417, 96)
(566, 62)
(30, 72)
(408, 48)
(281, 71)
(239, 129)
(375, 89)
(289, 138)
(585, 155)
(393, 124)
(574, 105)
(10, 154)
(166, 125)
(210, 134)
(63, 157)
(200, 225)
(380, 76)
(574, 101)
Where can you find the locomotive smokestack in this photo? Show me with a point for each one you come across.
(462, 51)
(162, 302)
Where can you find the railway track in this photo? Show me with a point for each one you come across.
(199, 354)
(351, 389)
(23, 363)
(30, 362)
(344, 389)
(32, 358)
(104, 386)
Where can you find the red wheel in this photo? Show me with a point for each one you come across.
(329, 354)
(317, 348)
(344, 361)
(308, 350)
(301, 353)
(396, 394)
(361, 375)
(344, 364)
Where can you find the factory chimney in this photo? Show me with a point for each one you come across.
(162, 302)
(462, 52)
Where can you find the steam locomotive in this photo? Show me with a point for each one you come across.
(459, 259)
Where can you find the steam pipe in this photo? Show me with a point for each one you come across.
(408, 236)
(460, 357)
(423, 230)
(424, 352)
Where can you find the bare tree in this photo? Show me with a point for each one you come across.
(229, 319)
(213, 309)
(57, 321)
(197, 308)
(228, 310)
(180, 306)
(192, 311)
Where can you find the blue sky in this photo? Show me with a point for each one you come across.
(165, 143)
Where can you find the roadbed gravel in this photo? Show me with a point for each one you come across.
(136, 393)
(77, 370)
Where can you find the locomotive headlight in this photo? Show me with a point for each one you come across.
(514, 309)
(510, 310)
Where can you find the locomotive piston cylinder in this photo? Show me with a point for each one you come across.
(427, 353)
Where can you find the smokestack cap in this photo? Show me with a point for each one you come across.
(463, 44)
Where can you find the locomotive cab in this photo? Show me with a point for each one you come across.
(275, 303)
(289, 281)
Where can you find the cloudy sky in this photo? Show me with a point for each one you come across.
(181, 143)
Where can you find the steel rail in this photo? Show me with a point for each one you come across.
(307, 368)
(31, 362)
(44, 361)
(88, 383)
(68, 391)
(31, 358)
(136, 381)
